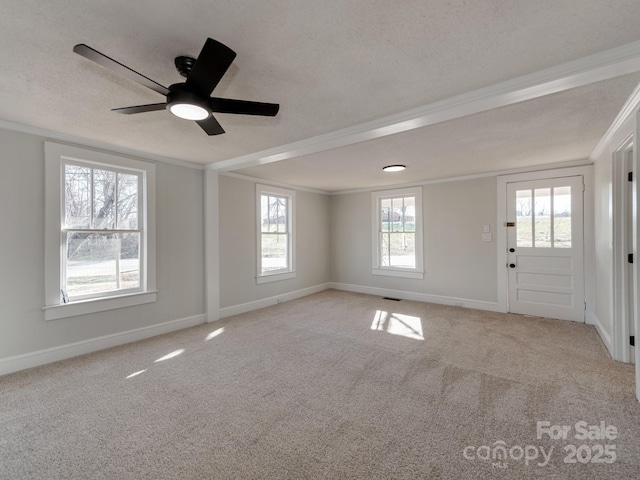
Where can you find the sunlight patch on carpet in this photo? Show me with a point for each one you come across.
(398, 324)
(215, 333)
(136, 373)
(170, 355)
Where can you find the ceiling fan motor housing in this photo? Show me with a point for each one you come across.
(179, 94)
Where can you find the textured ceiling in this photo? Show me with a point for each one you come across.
(330, 65)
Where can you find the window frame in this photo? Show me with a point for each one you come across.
(290, 272)
(56, 157)
(377, 266)
(66, 230)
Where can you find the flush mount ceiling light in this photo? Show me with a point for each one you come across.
(394, 168)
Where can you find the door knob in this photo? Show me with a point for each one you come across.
(512, 250)
(512, 265)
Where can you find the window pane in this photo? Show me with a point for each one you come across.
(101, 262)
(524, 236)
(385, 210)
(282, 215)
(397, 249)
(77, 196)
(127, 208)
(384, 250)
(410, 214)
(542, 214)
(397, 209)
(104, 197)
(562, 217)
(274, 252)
(129, 266)
(273, 214)
(264, 212)
(402, 250)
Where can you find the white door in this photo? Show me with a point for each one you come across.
(545, 248)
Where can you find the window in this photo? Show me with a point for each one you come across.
(397, 233)
(275, 207)
(543, 217)
(99, 232)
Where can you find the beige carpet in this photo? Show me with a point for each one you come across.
(334, 385)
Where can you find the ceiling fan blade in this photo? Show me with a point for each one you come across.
(212, 63)
(111, 64)
(211, 126)
(243, 107)
(153, 107)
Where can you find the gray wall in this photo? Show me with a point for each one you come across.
(238, 250)
(180, 254)
(457, 262)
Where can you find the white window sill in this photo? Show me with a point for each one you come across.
(84, 307)
(275, 277)
(398, 273)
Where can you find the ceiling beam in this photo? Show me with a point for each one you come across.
(594, 68)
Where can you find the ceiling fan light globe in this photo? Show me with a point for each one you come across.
(189, 111)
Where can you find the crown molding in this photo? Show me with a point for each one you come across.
(63, 137)
(628, 109)
(594, 68)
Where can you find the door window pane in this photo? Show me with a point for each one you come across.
(524, 233)
(562, 217)
(543, 217)
(542, 213)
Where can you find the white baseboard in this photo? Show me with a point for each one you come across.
(592, 319)
(419, 297)
(54, 354)
(267, 302)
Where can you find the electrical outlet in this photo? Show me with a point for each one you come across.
(487, 237)
(486, 229)
(457, 304)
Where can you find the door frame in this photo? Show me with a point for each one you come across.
(588, 230)
(635, 225)
(621, 232)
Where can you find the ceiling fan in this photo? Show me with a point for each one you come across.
(191, 99)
